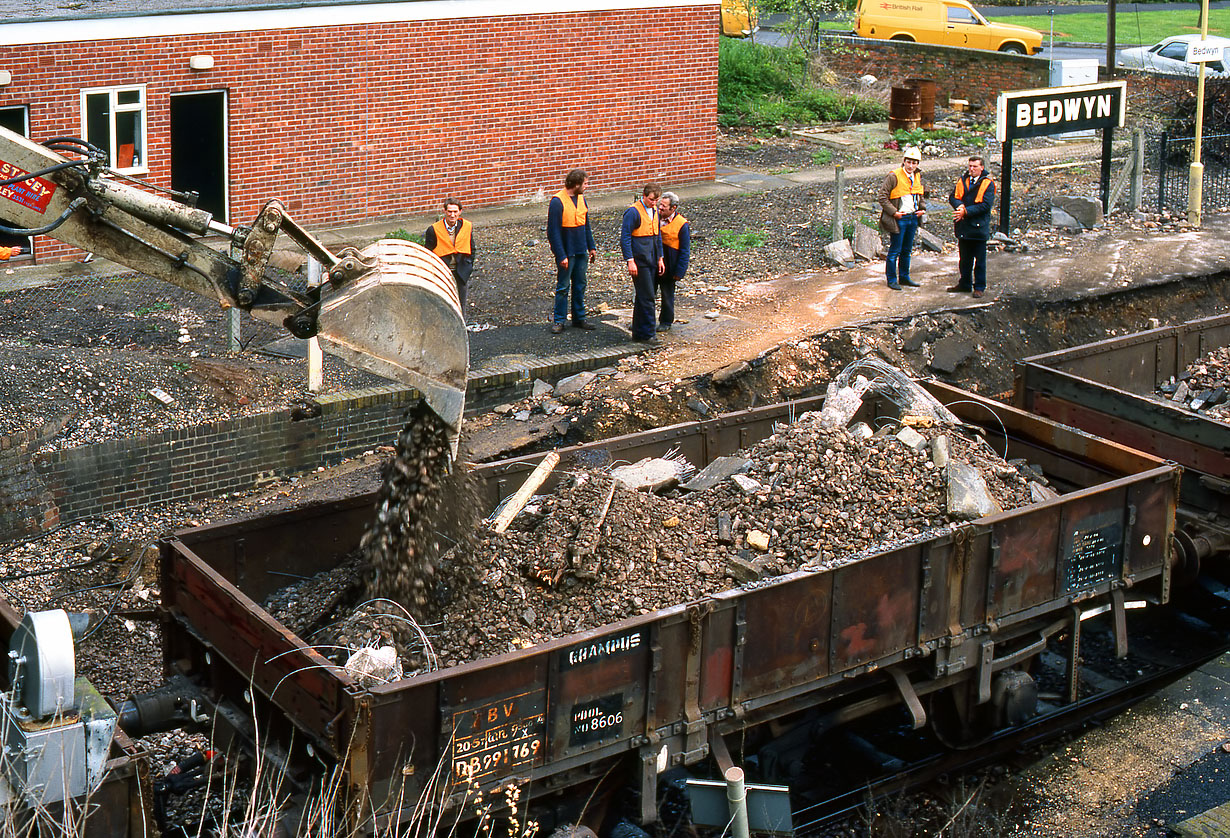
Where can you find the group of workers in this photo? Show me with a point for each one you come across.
(655, 241)
(903, 209)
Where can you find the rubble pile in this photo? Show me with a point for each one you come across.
(1203, 387)
(805, 498)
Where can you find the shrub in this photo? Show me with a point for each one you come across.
(760, 86)
(747, 240)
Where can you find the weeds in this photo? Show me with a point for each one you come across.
(822, 157)
(146, 311)
(405, 235)
(741, 242)
(761, 86)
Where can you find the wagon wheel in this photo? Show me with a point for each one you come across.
(956, 719)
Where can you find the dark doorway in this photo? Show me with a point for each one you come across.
(15, 120)
(198, 148)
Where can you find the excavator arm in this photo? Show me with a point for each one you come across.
(390, 308)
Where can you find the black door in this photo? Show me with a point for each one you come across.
(198, 148)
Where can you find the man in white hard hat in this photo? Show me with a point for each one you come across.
(901, 211)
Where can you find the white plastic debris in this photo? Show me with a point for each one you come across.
(371, 666)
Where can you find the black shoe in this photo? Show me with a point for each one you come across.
(583, 324)
(909, 282)
(665, 327)
(894, 286)
(557, 328)
(977, 293)
(650, 341)
(957, 289)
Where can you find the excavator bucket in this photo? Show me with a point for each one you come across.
(402, 320)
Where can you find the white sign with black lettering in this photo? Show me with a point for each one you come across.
(1059, 110)
(1198, 52)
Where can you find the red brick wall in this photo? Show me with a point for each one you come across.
(367, 121)
(975, 75)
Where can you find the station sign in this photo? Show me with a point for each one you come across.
(1059, 110)
(1200, 52)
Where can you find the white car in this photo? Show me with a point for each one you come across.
(1170, 56)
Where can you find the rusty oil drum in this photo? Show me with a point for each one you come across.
(903, 109)
(926, 101)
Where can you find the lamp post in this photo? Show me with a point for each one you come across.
(1195, 184)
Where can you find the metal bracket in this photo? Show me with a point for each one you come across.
(986, 657)
(910, 697)
(1120, 618)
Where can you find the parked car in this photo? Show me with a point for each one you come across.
(953, 23)
(739, 18)
(1170, 56)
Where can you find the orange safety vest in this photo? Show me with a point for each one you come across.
(574, 214)
(670, 231)
(446, 245)
(6, 252)
(959, 193)
(904, 187)
(648, 225)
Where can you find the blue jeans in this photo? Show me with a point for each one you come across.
(897, 266)
(572, 277)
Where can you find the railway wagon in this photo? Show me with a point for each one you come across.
(1109, 388)
(940, 630)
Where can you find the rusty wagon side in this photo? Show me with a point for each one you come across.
(947, 616)
(1107, 387)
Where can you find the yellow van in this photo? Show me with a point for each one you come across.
(953, 23)
(739, 18)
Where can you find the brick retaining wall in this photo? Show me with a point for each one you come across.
(975, 75)
(41, 490)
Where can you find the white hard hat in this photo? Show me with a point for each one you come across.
(911, 153)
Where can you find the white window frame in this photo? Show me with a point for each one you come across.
(114, 107)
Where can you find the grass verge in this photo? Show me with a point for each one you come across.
(1133, 27)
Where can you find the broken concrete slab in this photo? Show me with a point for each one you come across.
(652, 474)
(1087, 211)
(968, 497)
(541, 388)
(868, 244)
(912, 439)
(747, 485)
(722, 468)
(950, 352)
(574, 383)
(940, 451)
(839, 252)
(930, 241)
(1064, 221)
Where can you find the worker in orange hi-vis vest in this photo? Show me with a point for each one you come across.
(902, 210)
(972, 198)
(452, 239)
(8, 252)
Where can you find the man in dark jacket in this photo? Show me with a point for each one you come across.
(676, 252)
(572, 245)
(972, 197)
(452, 239)
(640, 241)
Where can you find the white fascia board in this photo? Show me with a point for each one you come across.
(161, 26)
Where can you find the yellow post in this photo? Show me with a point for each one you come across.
(1195, 183)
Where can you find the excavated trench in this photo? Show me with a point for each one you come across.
(973, 348)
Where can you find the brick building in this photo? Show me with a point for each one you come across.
(351, 112)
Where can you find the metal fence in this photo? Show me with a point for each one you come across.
(1174, 159)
